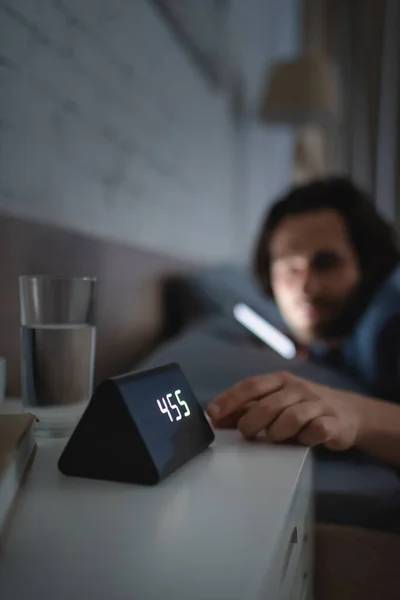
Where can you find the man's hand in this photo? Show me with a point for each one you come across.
(290, 408)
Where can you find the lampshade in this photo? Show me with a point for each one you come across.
(300, 91)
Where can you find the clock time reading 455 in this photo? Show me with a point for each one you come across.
(134, 431)
(162, 405)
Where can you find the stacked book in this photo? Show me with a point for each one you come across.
(17, 449)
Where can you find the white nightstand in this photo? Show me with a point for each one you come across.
(233, 524)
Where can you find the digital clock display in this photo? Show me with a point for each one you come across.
(167, 415)
(139, 428)
(167, 407)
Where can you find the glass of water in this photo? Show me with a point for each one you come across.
(58, 337)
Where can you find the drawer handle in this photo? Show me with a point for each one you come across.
(294, 538)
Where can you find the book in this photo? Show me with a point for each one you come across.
(17, 449)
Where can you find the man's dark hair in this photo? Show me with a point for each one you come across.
(374, 240)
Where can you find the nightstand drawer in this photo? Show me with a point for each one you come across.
(302, 578)
(296, 539)
(293, 560)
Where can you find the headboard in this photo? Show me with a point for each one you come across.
(129, 298)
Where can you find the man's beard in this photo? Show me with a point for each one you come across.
(345, 314)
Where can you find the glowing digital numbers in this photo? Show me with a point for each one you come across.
(182, 403)
(174, 407)
(166, 406)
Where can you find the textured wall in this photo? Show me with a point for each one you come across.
(265, 31)
(107, 128)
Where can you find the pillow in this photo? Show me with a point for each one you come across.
(373, 351)
(215, 291)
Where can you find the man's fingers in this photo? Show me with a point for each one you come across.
(266, 411)
(244, 392)
(319, 431)
(230, 421)
(293, 419)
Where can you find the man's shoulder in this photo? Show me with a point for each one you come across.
(373, 349)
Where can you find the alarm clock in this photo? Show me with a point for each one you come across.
(138, 428)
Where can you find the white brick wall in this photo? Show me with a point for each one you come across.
(266, 31)
(106, 127)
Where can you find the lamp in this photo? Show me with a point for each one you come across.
(302, 91)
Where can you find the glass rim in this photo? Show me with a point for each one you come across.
(59, 277)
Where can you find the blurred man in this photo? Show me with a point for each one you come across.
(322, 252)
